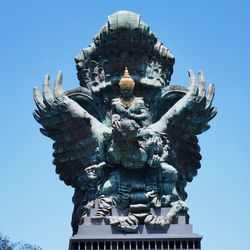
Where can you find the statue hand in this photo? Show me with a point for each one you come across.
(155, 161)
(116, 117)
(166, 200)
(128, 113)
(94, 171)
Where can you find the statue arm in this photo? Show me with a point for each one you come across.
(95, 172)
(143, 115)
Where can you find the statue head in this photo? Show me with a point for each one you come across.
(129, 129)
(126, 129)
(126, 85)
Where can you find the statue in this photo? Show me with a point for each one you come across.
(126, 138)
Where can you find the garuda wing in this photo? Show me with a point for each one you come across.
(187, 118)
(78, 135)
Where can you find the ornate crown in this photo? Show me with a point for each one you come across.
(126, 81)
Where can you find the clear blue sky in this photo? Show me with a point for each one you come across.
(43, 36)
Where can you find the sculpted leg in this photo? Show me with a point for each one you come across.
(169, 178)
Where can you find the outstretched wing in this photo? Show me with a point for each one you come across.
(78, 135)
(192, 112)
(187, 118)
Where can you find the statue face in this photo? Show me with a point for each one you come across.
(126, 93)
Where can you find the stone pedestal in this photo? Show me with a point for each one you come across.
(94, 234)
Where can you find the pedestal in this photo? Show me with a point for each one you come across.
(94, 234)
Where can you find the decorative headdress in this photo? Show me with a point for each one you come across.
(126, 81)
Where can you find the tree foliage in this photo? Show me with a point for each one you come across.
(7, 244)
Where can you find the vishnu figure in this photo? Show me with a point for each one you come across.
(128, 106)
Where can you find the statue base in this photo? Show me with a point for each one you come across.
(94, 234)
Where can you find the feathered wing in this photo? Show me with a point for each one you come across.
(78, 135)
(187, 118)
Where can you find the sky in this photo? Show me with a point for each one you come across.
(39, 37)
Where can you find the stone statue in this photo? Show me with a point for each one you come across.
(126, 138)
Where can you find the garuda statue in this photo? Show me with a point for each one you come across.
(126, 138)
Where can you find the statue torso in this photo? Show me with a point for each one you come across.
(134, 105)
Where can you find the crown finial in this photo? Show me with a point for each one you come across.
(126, 81)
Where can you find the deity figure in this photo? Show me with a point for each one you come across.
(133, 153)
(128, 106)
